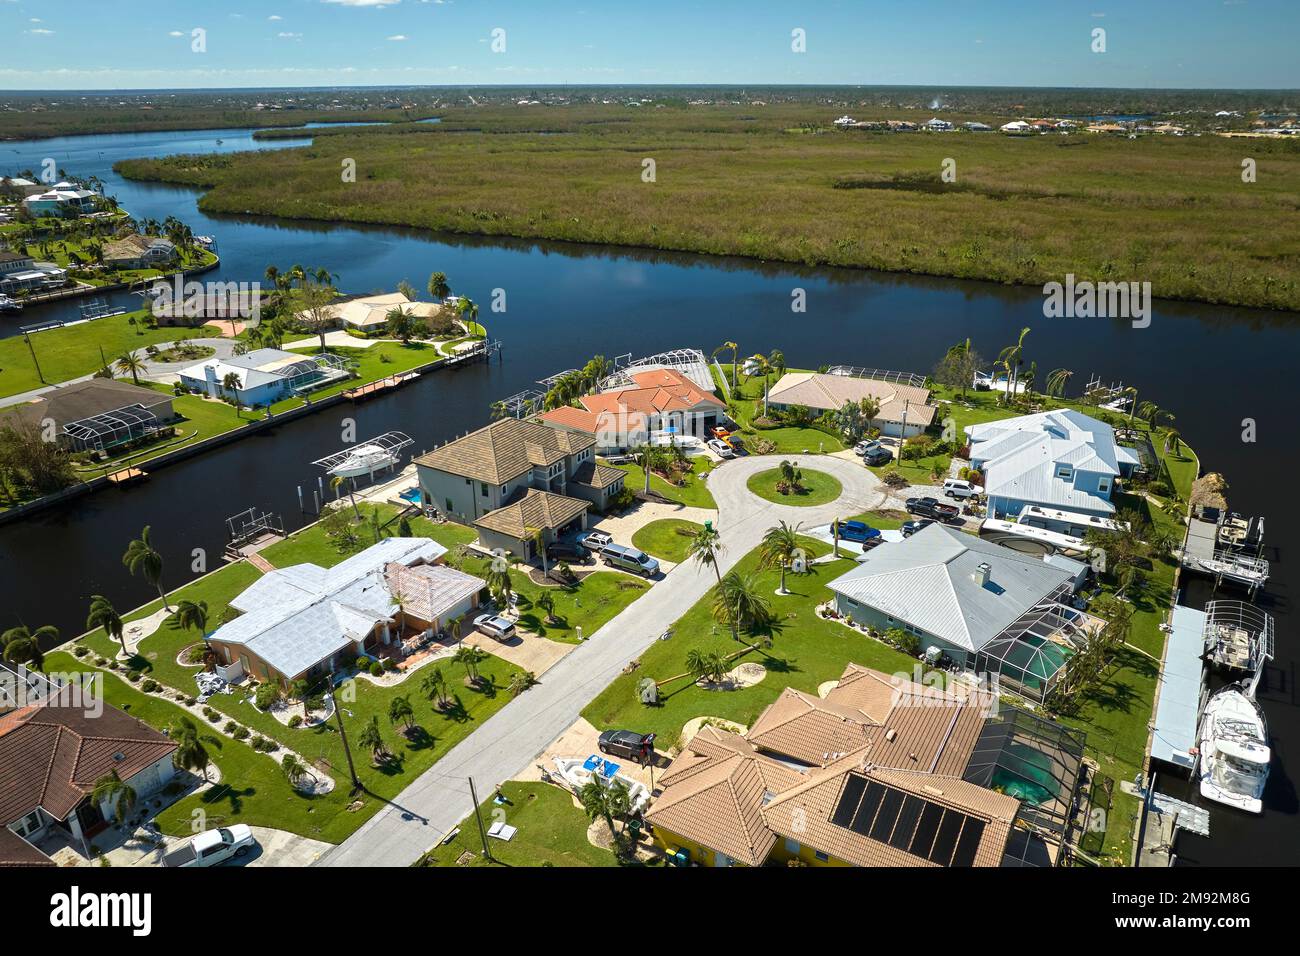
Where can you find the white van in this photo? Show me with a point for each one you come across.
(961, 488)
(630, 559)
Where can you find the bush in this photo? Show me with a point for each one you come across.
(376, 669)
(295, 721)
(80, 651)
(390, 664)
(241, 733)
(195, 654)
(266, 695)
(149, 686)
(264, 744)
(211, 714)
(133, 676)
(230, 727)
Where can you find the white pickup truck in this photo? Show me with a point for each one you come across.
(212, 847)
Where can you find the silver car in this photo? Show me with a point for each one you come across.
(495, 626)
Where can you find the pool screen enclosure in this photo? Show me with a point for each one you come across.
(113, 428)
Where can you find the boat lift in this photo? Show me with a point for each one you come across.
(367, 457)
(1238, 638)
(1206, 552)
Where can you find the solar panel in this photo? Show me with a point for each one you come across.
(908, 822)
(969, 842)
(946, 840)
(849, 800)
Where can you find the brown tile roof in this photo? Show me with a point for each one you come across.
(504, 450)
(597, 475)
(809, 729)
(536, 509)
(866, 690)
(804, 813)
(828, 392)
(15, 851)
(428, 591)
(52, 754)
(657, 391)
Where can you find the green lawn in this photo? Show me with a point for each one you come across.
(747, 404)
(883, 520)
(76, 350)
(666, 538)
(805, 652)
(818, 487)
(552, 832)
(693, 493)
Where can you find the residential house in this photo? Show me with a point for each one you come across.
(1058, 459)
(139, 252)
(905, 410)
(99, 414)
(11, 262)
(881, 771)
(541, 478)
(16, 185)
(1017, 128)
(368, 315)
(301, 621)
(660, 399)
(264, 376)
(62, 199)
(985, 607)
(53, 753)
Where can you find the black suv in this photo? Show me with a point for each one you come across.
(567, 551)
(628, 744)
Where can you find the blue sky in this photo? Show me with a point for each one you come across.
(129, 44)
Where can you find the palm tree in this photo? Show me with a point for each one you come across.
(438, 287)
(538, 538)
(605, 801)
(190, 753)
(103, 614)
(434, 685)
(21, 645)
(295, 771)
(706, 548)
(762, 367)
(399, 324)
(734, 350)
(1010, 359)
(401, 712)
(112, 790)
(779, 548)
(737, 602)
(835, 533)
(499, 583)
(1057, 379)
(231, 384)
(470, 657)
(372, 739)
(141, 556)
(520, 682)
(129, 362)
(301, 689)
(338, 481)
(193, 615)
(546, 603)
(467, 312)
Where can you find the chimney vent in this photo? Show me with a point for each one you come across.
(981, 573)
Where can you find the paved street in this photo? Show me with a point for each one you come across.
(507, 743)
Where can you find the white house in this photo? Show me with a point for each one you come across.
(263, 376)
(63, 199)
(1058, 459)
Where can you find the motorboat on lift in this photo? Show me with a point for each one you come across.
(9, 304)
(366, 458)
(1234, 752)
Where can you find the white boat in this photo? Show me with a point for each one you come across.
(577, 772)
(8, 304)
(364, 460)
(1234, 750)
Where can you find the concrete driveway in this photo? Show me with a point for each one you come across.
(507, 744)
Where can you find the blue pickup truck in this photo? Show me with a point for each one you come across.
(857, 531)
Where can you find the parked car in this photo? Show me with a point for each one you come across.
(867, 445)
(857, 531)
(721, 448)
(877, 456)
(630, 559)
(628, 744)
(496, 626)
(932, 508)
(720, 432)
(213, 846)
(961, 488)
(595, 541)
(566, 551)
(910, 528)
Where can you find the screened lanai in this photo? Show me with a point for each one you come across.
(111, 429)
(1030, 652)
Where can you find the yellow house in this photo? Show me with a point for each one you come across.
(880, 772)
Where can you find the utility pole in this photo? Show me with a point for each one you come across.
(338, 713)
(39, 374)
(478, 816)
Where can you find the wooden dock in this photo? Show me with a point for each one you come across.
(363, 392)
(127, 475)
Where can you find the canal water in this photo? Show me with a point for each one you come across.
(1212, 366)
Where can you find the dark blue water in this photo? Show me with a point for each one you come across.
(1211, 366)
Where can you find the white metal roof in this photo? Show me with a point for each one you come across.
(930, 580)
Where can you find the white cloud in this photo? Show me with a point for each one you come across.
(363, 3)
(42, 32)
(397, 36)
(289, 36)
(176, 33)
(275, 16)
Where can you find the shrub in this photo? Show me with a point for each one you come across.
(133, 676)
(101, 662)
(211, 714)
(195, 654)
(376, 669)
(230, 727)
(241, 733)
(266, 695)
(390, 664)
(149, 686)
(80, 651)
(264, 744)
(295, 721)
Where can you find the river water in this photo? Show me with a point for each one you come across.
(1211, 366)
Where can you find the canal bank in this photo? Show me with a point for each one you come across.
(1212, 367)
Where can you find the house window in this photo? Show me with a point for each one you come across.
(823, 857)
(792, 847)
(1103, 485)
(1063, 471)
(450, 509)
(483, 489)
